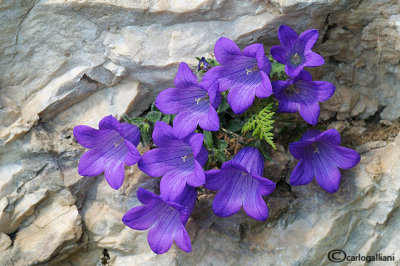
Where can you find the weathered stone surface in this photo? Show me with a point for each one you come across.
(67, 62)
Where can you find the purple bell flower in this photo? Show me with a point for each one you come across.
(295, 51)
(194, 104)
(203, 65)
(179, 160)
(320, 156)
(239, 183)
(112, 146)
(244, 73)
(302, 94)
(166, 218)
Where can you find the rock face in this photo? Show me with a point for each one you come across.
(69, 62)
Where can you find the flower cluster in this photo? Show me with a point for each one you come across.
(180, 156)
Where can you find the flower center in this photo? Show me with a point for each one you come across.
(295, 59)
(316, 150)
(292, 89)
(119, 142)
(186, 156)
(200, 99)
(253, 69)
(243, 173)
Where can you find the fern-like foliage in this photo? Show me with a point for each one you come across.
(261, 124)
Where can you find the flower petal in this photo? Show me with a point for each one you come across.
(109, 122)
(157, 162)
(253, 204)
(229, 199)
(140, 218)
(325, 90)
(331, 135)
(313, 59)
(185, 77)
(145, 196)
(346, 158)
(252, 159)
(114, 172)
(302, 174)
(86, 136)
(197, 178)
(308, 39)
(266, 186)
(279, 87)
(160, 236)
(224, 49)
(297, 149)
(167, 101)
(310, 112)
(182, 239)
(293, 71)
(173, 183)
(287, 36)
(162, 133)
(130, 133)
(196, 142)
(202, 157)
(326, 173)
(279, 53)
(310, 135)
(210, 122)
(242, 95)
(215, 179)
(264, 90)
(286, 106)
(186, 121)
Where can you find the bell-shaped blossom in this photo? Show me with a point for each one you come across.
(245, 73)
(320, 156)
(191, 101)
(203, 65)
(179, 160)
(295, 51)
(302, 94)
(239, 183)
(111, 146)
(166, 219)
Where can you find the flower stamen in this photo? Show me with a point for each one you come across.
(295, 59)
(119, 142)
(254, 68)
(186, 156)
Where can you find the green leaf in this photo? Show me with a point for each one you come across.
(262, 124)
(138, 121)
(223, 106)
(222, 144)
(166, 118)
(153, 116)
(220, 155)
(233, 125)
(208, 139)
(198, 58)
(146, 136)
(146, 127)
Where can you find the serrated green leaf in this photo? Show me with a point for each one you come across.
(220, 155)
(208, 139)
(223, 106)
(234, 126)
(146, 127)
(166, 118)
(146, 136)
(222, 144)
(153, 116)
(138, 121)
